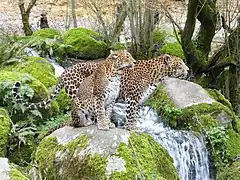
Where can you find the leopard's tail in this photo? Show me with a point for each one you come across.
(29, 105)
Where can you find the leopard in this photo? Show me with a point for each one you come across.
(92, 96)
(70, 80)
(139, 83)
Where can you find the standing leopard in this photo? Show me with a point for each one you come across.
(138, 83)
(69, 80)
(93, 93)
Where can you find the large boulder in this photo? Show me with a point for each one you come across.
(47, 33)
(43, 71)
(5, 127)
(181, 101)
(31, 88)
(38, 67)
(186, 105)
(85, 43)
(89, 153)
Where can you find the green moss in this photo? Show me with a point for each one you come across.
(47, 33)
(215, 94)
(191, 116)
(86, 44)
(233, 143)
(40, 90)
(22, 154)
(231, 172)
(92, 166)
(63, 100)
(159, 35)
(5, 127)
(145, 159)
(17, 175)
(38, 67)
(174, 49)
(161, 102)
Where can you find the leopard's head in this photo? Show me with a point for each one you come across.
(122, 59)
(175, 67)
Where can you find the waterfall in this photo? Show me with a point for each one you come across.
(187, 150)
(57, 68)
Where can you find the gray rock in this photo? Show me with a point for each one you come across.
(185, 93)
(89, 153)
(224, 119)
(4, 169)
(102, 142)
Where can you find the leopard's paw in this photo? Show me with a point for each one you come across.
(103, 126)
(111, 125)
(130, 126)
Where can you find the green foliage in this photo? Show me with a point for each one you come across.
(171, 113)
(10, 103)
(164, 106)
(47, 33)
(86, 44)
(38, 67)
(174, 49)
(21, 142)
(5, 127)
(15, 174)
(52, 123)
(118, 46)
(216, 142)
(159, 35)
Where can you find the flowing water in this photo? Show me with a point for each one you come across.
(187, 150)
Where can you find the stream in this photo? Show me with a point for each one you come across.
(187, 150)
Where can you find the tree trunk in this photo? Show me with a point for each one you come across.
(196, 52)
(25, 16)
(74, 13)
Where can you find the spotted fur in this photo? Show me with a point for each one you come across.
(69, 80)
(137, 84)
(93, 91)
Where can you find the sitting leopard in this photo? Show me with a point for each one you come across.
(92, 94)
(70, 80)
(137, 84)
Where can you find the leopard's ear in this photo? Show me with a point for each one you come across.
(167, 59)
(111, 51)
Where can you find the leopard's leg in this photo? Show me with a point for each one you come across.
(132, 107)
(109, 109)
(103, 122)
(80, 113)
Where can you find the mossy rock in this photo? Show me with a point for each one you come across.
(40, 90)
(38, 67)
(16, 173)
(47, 33)
(174, 49)
(223, 136)
(5, 127)
(114, 154)
(86, 44)
(31, 85)
(43, 71)
(22, 154)
(168, 43)
(231, 173)
(63, 100)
